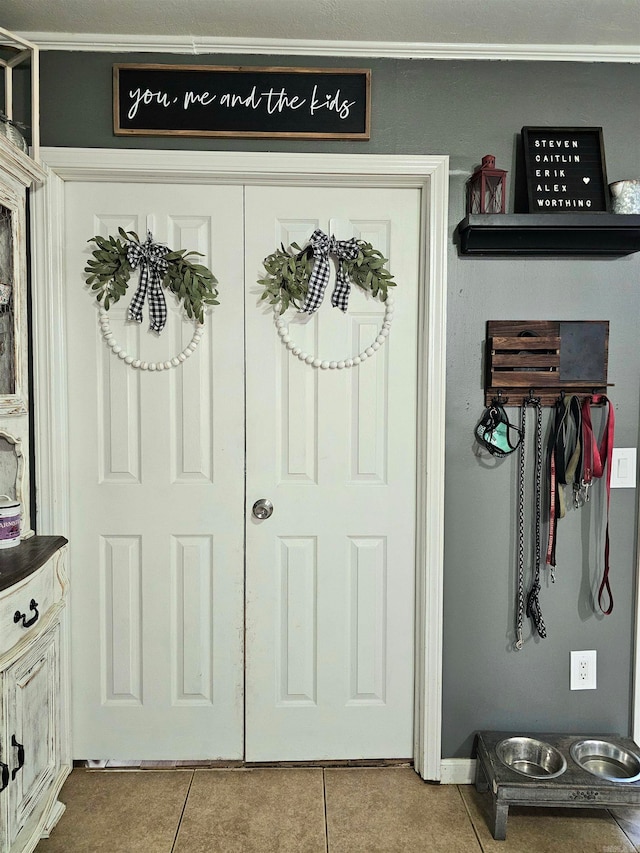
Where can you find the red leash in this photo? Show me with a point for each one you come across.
(597, 459)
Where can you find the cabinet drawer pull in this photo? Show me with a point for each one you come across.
(5, 775)
(20, 747)
(17, 616)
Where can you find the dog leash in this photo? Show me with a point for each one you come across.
(597, 464)
(532, 604)
(565, 440)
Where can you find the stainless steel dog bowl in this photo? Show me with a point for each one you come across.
(606, 759)
(531, 757)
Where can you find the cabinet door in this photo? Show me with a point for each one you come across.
(32, 690)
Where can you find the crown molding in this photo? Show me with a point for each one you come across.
(202, 45)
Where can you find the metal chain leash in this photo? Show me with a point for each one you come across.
(532, 604)
(521, 478)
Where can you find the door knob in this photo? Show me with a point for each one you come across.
(262, 509)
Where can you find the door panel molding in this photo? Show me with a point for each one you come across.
(427, 173)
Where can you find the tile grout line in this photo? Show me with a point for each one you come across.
(184, 806)
(473, 826)
(622, 829)
(324, 800)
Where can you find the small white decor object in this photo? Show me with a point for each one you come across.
(10, 516)
(13, 131)
(625, 196)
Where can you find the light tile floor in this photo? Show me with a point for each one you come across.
(312, 810)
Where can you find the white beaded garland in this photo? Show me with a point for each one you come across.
(138, 364)
(283, 331)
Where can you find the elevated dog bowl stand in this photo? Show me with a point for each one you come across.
(575, 788)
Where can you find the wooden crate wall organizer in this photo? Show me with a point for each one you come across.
(544, 358)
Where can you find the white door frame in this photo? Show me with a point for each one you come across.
(430, 174)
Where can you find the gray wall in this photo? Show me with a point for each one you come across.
(466, 110)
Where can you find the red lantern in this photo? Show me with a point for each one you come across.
(487, 188)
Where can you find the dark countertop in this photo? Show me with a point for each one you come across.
(22, 560)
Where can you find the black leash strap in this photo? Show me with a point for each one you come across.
(565, 466)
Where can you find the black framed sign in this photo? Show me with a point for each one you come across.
(565, 169)
(208, 100)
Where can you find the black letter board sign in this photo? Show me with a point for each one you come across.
(205, 100)
(565, 169)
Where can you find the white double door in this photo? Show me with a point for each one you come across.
(197, 630)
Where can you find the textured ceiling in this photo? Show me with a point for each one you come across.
(509, 22)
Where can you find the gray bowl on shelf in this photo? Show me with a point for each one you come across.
(606, 759)
(531, 757)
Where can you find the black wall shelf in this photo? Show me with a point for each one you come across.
(549, 235)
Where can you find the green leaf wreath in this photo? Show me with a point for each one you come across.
(287, 274)
(109, 271)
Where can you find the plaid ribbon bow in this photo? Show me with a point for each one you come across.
(323, 246)
(149, 256)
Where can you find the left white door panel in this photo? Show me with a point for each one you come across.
(157, 474)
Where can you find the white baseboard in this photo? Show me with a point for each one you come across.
(457, 771)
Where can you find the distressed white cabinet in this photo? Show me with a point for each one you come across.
(34, 731)
(17, 173)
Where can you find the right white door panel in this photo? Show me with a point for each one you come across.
(330, 576)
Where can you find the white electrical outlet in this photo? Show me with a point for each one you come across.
(583, 670)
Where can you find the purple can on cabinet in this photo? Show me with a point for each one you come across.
(9, 522)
